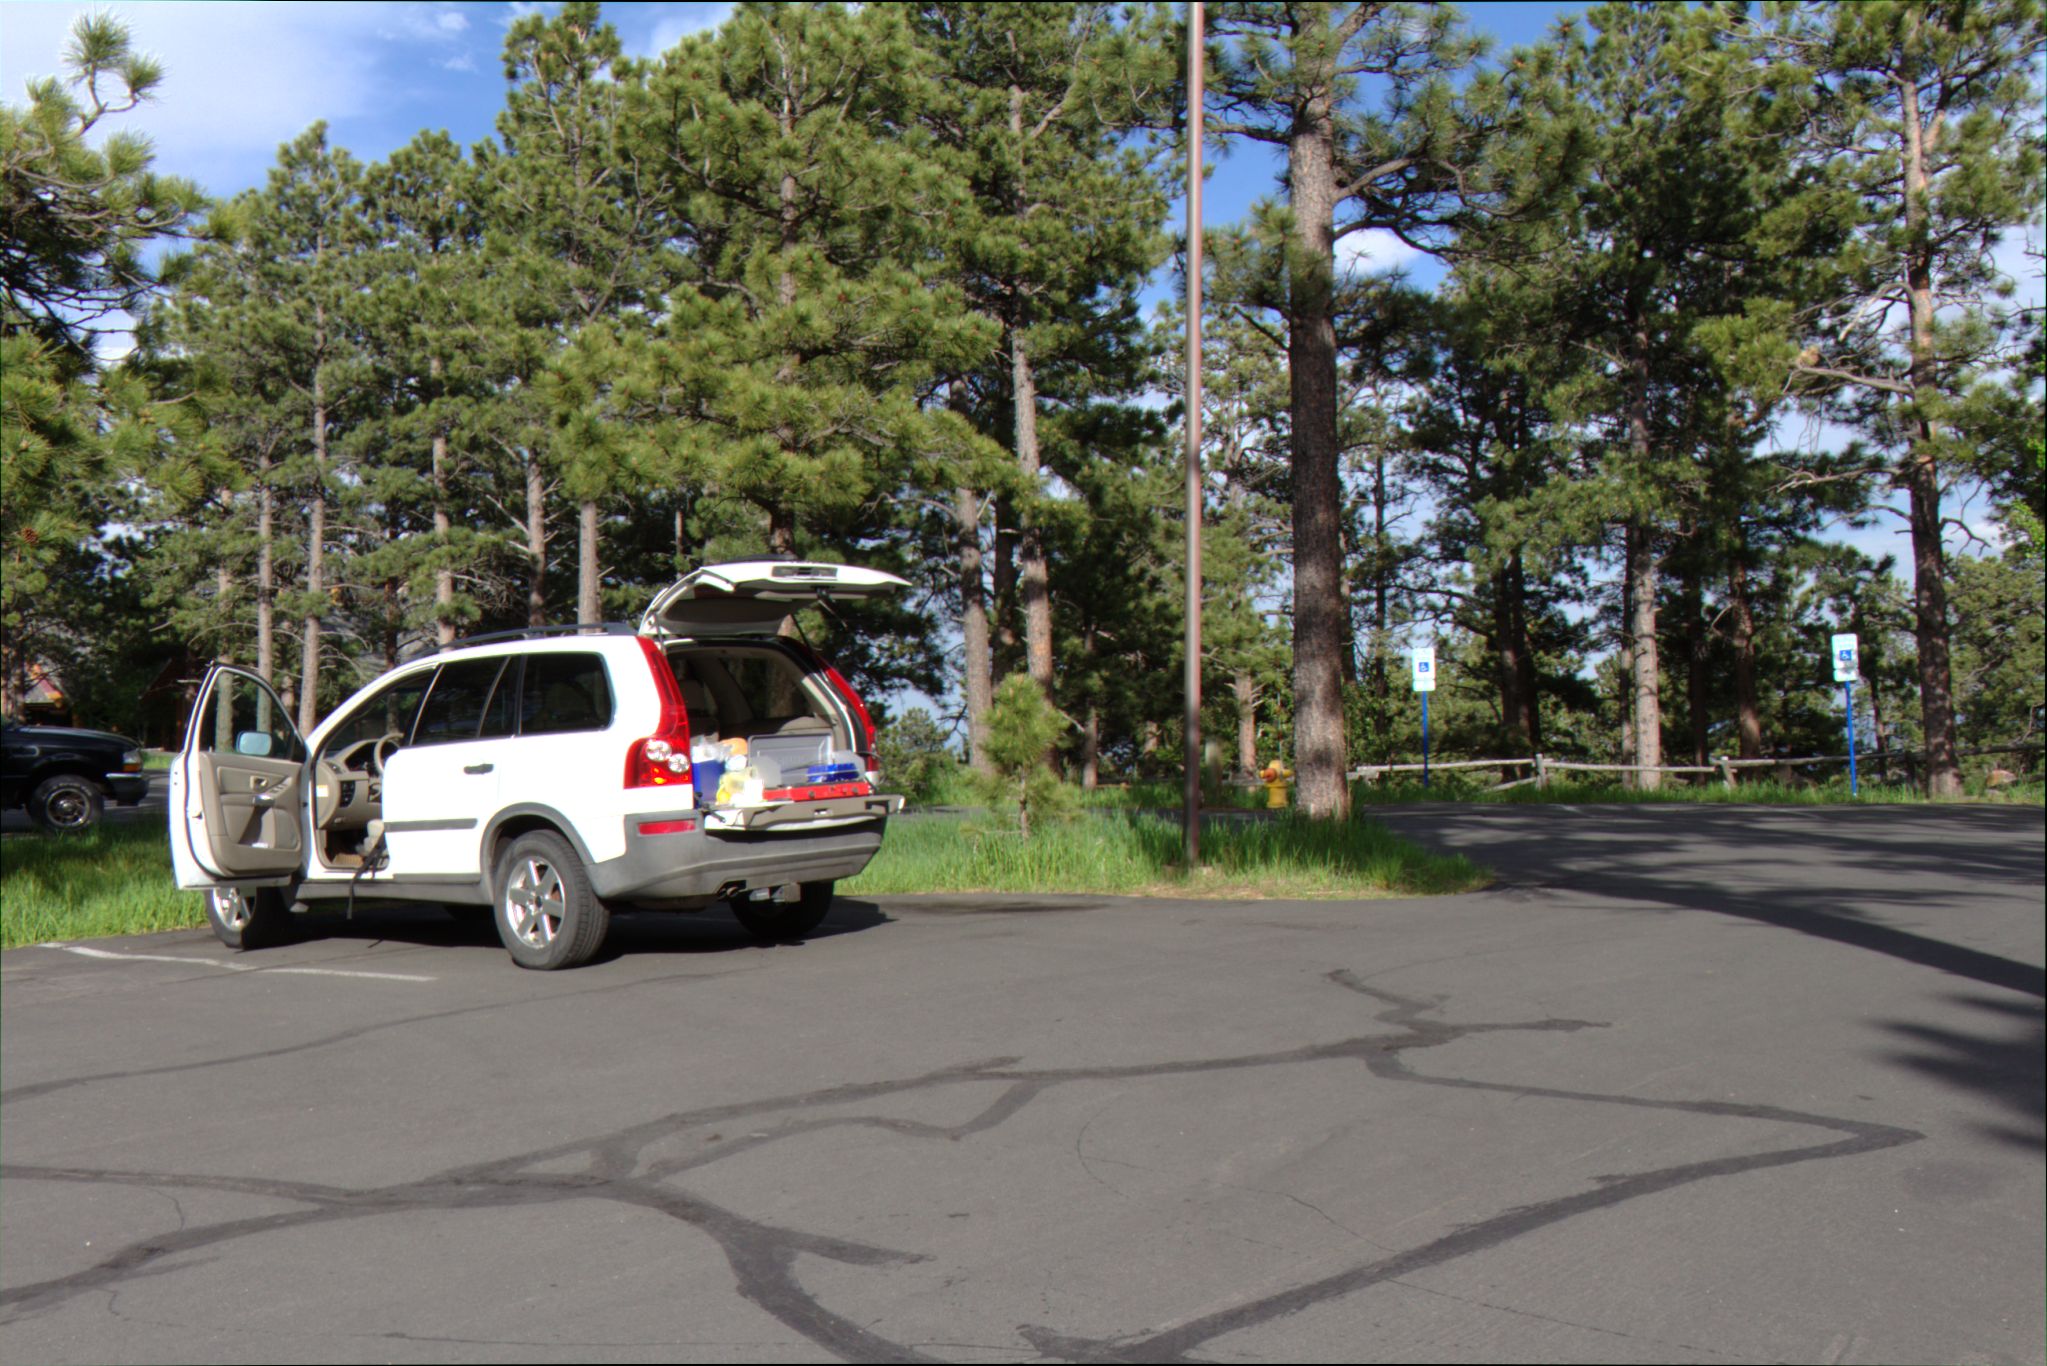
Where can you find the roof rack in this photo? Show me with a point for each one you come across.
(586, 628)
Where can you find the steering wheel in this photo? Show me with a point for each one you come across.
(386, 747)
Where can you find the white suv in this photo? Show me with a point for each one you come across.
(552, 774)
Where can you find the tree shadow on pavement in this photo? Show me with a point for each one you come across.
(1777, 866)
(2005, 1064)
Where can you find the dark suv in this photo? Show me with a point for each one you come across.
(64, 776)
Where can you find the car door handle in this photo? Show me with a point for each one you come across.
(478, 768)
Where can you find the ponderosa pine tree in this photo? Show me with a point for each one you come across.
(576, 239)
(423, 315)
(302, 233)
(1679, 177)
(1402, 158)
(1059, 234)
(1929, 116)
(74, 219)
(791, 368)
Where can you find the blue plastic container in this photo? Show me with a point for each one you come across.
(706, 774)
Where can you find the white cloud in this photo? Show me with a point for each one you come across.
(1375, 251)
(242, 78)
(676, 23)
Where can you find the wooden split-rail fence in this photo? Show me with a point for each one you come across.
(1543, 768)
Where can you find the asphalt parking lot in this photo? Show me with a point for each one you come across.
(1689, 1084)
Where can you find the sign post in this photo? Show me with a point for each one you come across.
(1425, 683)
(1846, 667)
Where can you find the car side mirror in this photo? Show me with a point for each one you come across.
(254, 744)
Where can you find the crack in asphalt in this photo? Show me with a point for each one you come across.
(1569, 1323)
(764, 1258)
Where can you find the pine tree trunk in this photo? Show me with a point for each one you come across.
(1034, 577)
(223, 589)
(1695, 664)
(589, 603)
(1034, 574)
(979, 681)
(266, 571)
(316, 544)
(316, 589)
(1648, 705)
(444, 572)
(1319, 609)
(1509, 646)
(1531, 698)
(536, 542)
(1004, 574)
(1748, 714)
(1246, 689)
(1091, 749)
(1640, 550)
(1381, 617)
(1921, 478)
(392, 621)
(782, 532)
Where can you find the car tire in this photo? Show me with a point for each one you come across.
(782, 921)
(66, 802)
(547, 914)
(255, 919)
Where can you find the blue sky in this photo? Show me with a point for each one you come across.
(244, 78)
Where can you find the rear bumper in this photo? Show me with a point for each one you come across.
(688, 867)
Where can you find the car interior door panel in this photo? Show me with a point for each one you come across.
(245, 775)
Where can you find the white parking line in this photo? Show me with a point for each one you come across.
(85, 952)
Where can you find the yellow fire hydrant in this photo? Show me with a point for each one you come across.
(1276, 777)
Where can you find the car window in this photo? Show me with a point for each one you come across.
(244, 717)
(388, 711)
(456, 707)
(564, 692)
(743, 687)
(502, 711)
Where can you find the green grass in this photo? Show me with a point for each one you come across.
(1138, 853)
(157, 760)
(114, 879)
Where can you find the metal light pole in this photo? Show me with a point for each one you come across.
(1195, 99)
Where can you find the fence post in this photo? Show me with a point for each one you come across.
(1726, 772)
(1541, 773)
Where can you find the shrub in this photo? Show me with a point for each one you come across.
(1022, 728)
(914, 757)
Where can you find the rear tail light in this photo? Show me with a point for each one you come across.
(662, 759)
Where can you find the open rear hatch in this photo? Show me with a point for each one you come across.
(824, 769)
(750, 597)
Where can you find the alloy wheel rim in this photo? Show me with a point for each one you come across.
(232, 907)
(68, 807)
(535, 900)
